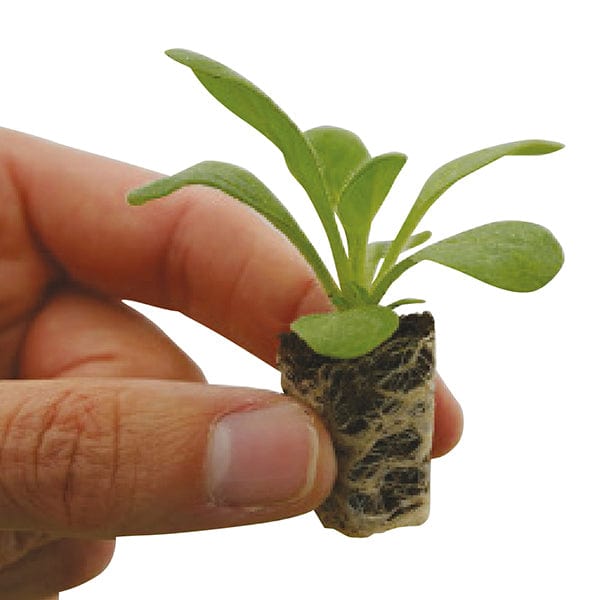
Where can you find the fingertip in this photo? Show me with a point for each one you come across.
(449, 420)
(60, 565)
(84, 560)
(275, 455)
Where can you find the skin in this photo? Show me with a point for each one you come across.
(77, 364)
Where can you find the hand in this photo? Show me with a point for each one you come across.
(106, 427)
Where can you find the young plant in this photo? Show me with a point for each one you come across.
(346, 185)
(342, 180)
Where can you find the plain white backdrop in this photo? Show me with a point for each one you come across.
(515, 506)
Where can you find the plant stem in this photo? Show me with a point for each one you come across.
(340, 257)
(383, 282)
(396, 247)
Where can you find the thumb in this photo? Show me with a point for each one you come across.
(109, 457)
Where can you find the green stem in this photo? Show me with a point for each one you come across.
(396, 247)
(357, 250)
(361, 268)
(382, 283)
(340, 257)
(322, 204)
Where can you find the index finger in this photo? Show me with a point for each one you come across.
(200, 252)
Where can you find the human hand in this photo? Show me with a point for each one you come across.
(106, 427)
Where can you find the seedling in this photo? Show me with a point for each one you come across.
(343, 180)
(346, 185)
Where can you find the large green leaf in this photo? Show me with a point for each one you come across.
(348, 333)
(512, 255)
(252, 105)
(449, 174)
(247, 188)
(341, 153)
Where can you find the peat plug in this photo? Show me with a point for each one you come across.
(378, 409)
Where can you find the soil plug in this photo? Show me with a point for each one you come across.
(378, 408)
(367, 371)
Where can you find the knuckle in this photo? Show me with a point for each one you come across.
(65, 453)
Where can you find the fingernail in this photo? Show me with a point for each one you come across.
(262, 456)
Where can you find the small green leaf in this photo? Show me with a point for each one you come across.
(247, 188)
(340, 152)
(349, 333)
(359, 202)
(512, 255)
(449, 174)
(416, 240)
(252, 105)
(364, 193)
(405, 301)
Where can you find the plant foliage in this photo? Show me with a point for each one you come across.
(347, 185)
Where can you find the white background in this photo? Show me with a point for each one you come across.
(515, 506)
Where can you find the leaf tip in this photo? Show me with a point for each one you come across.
(180, 55)
(136, 198)
(537, 147)
(553, 146)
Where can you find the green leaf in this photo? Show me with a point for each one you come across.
(341, 153)
(449, 174)
(359, 202)
(349, 333)
(252, 105)
(364, 193)
(245, 187)
(416, 240)
(405, 301)
(512, 255)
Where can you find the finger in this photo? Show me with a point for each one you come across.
(200, 252)
(100, 457)
(79, 334)
(61, 565)
(448, 425)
